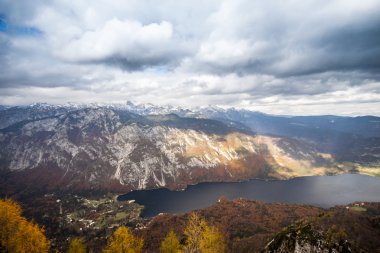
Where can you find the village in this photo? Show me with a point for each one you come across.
(93, 216)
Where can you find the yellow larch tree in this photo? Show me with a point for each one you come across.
(200, 238)
(10, 217)
(194, 233)
(77, 246)
(212, 241)
(17, 234)
(170, 244)
(123, 241)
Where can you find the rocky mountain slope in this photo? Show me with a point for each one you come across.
(103, 148)
(124, 147)
(353, 139)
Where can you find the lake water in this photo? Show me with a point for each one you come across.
(323, 191)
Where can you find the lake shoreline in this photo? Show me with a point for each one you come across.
(322, 191)
(242, 181)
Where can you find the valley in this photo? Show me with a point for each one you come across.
(67, 166)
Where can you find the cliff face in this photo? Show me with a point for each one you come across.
(100, 148)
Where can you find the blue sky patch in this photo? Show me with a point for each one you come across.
(16, 30)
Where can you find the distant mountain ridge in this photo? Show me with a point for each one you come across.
(125, 147)
(367, 126)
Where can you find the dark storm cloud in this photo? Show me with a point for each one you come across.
(352, 48)
(346, 49)
(287, 40)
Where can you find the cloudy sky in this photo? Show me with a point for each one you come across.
(282, 57)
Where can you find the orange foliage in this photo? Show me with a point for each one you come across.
(123, 241)
(17, 234)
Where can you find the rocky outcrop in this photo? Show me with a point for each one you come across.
(304, 238)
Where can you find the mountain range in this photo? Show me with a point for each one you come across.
(123, 147)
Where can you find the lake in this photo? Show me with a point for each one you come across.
(323, 191)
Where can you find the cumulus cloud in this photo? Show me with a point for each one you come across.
(293, 56)
(126, 43)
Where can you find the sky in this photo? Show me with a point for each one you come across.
(304, 57)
